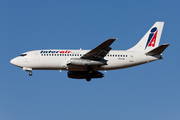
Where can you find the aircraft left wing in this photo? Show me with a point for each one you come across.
(100, 51)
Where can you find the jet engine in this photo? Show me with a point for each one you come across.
(84, 74)
(78, 61)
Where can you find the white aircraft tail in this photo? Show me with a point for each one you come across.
(151, 39)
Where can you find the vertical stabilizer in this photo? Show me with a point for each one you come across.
(151, 39)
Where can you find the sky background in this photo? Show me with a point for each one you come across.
(146, 92)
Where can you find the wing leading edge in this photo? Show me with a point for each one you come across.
(100, 51)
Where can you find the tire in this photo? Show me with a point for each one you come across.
(88, 78)
(30, 73)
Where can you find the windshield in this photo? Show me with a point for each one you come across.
(23, 55)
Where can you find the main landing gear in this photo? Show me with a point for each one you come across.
(88, 77)
(90, 71)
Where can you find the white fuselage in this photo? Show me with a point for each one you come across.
(85, 64)
(59, 59)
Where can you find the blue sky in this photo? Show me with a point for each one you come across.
(149, 91)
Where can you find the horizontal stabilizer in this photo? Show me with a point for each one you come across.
(158, 50)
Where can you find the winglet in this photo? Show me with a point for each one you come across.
(158, 50)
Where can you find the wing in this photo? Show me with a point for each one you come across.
(100, 51)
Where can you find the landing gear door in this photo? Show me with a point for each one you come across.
(36, 56)
(131, 57)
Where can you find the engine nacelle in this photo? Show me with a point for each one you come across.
(78, 61)
(83, 74)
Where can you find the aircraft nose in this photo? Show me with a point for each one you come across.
(13, 61)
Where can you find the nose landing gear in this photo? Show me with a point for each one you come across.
(30, 73)
(28, 69)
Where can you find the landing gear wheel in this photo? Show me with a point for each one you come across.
(30, 73)
(88, 78)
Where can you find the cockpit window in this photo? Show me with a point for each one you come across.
(23, 55)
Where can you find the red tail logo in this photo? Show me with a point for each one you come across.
(153, 40)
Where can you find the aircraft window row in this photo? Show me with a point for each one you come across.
(62, 54)
(112, 55)
(109, 55)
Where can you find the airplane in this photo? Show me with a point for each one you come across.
(86, 64)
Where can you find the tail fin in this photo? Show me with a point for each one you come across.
(151, 39)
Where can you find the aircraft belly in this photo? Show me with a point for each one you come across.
(81, 68)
